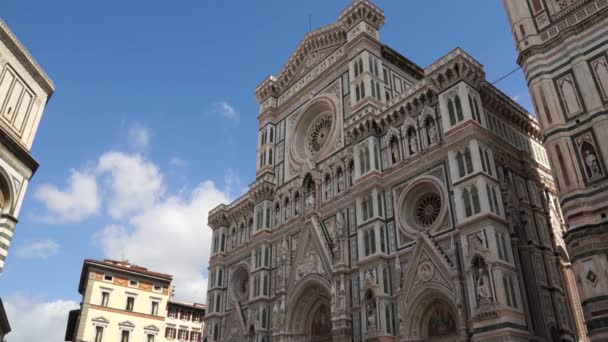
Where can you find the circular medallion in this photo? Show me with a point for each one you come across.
(311, 60)
(426, 271)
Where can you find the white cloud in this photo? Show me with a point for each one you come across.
(81, 199)
(170, 237)
(138, 135)
(48, 317)
(178, 162)
(233, 186)
(226, 110)
(38, 249)
(135, 184)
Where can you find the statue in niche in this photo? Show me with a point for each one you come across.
(333, 298)
(371, 312)
(297, 204)
(310, 194)
(275, 315)
(284, 250)
(592, 165)
(340, 181)
(394, 150)
(482, 280)
(569, 96)
(339, 224)
(483, 289)
(412, 142)
(431, 132)
(342, 294)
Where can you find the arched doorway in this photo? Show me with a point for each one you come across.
(309, 313)
(432, 316)
(439, 322)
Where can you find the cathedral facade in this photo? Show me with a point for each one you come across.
(391, 203)
(563, 50)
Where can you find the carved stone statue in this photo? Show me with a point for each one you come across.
(593, 166)
(371, 317)
(275, 315)
(339, 225)
(394, 151)
(341, 295)
(483, 289)
(340, 182)
(284, 250)
(431, 131)
(413, 143)
(310, 200)
(333, 298)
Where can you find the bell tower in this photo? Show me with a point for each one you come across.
(562, 46)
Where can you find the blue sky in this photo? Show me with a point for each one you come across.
(154, 122)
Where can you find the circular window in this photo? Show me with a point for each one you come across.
(314, 133)
(428, 207)
(421, 206)
(239, 288)
(319, 133)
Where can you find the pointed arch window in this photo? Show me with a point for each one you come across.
(451, 112)
(468, 160)
(267, 225)
(495, 200)
(483, 161)
(297, 204)
(460, 162)
(286, 209)
(372, 241)
(458, 106)
(486, 155)
(472, 109)
(488, 193)
(475, 199)
(277, 214)
(466, 199)
(351, 172)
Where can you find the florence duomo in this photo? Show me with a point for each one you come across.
(405, 171)
(394, 202)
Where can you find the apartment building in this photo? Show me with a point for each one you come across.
(184, 321)
(120, 302)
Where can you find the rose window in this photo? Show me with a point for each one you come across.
(319, 133)
(422, 206)
(427, 209)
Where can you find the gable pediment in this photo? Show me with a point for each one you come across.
(311, 257)
(427, 267)
(315, 46)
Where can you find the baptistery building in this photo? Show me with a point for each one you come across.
(392, 202)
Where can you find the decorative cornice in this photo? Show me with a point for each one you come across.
(566, 24)
(22, 154)
(401, 62)
(362, 10)
(323, 37)
(8, 37)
